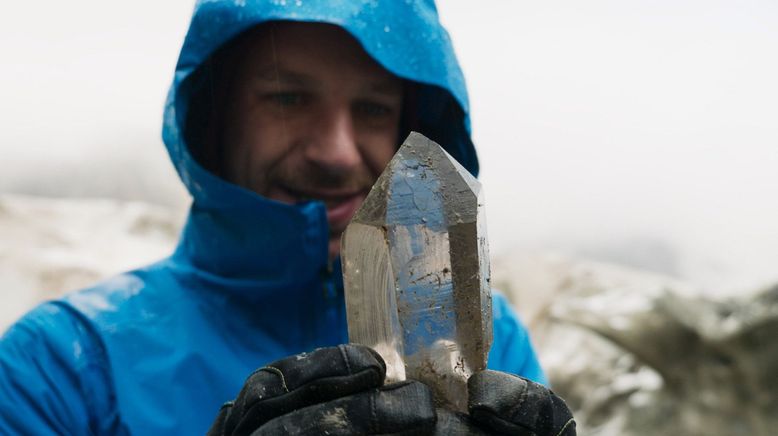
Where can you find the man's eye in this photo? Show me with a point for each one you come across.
(372, 109)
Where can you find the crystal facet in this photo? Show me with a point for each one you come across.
(416, 271)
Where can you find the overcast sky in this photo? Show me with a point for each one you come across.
(644, 131)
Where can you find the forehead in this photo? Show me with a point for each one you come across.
(310, 48)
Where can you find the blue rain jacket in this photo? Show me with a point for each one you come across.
(159, 349)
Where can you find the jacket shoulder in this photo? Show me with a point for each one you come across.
(54, 375)
(512, 349)
(110, 296)
(124, 298)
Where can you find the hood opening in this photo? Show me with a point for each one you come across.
(427, 109)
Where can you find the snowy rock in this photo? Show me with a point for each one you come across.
(51, 246)
(636, 353)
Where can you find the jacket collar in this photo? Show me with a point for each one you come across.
(236, 239)
(269, 245)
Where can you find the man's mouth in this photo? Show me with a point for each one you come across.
(341, 204)
(340, 211)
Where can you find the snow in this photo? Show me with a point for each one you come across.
(50, 246)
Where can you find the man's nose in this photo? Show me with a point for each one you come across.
(333, 143)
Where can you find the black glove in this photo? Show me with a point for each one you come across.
(335, 391)
(501, 403)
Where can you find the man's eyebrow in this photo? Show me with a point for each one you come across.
(386, 87)
(272, 73)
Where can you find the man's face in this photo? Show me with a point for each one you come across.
(310, 115)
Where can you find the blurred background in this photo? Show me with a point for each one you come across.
(639, 134)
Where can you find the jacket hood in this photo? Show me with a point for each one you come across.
(238, 237)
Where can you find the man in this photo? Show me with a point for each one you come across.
(280, 118)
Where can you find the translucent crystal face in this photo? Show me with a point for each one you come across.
(416, 271)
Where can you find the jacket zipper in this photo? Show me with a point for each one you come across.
(332, 307)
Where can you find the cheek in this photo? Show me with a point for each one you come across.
(379, 152)
(254, 145)
(260, 136)
(380, 141)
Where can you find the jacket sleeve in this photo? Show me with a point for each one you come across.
(512, 349)
(54, 377)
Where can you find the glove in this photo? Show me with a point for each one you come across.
(501, 403)
(335, 391)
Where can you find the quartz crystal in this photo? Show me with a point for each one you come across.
(416, 271)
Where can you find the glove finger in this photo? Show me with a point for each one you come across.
(509, 404)
(219, 425)
(404, 408)
(452, 423)
(302, 380)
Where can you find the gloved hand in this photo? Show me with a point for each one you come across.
(335, 391)
(501, 403)
(339, 391)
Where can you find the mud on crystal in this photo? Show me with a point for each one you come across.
(416, 271)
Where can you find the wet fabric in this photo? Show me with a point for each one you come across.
(159, 349)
